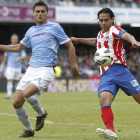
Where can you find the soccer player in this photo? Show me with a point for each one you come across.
(14, 66)
(116, 75)
(44, 40)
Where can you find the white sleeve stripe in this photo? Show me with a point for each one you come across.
(22, 43)
(64, 41)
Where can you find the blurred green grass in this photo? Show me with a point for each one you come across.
(75, 116)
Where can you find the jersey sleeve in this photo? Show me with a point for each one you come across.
(6, 54)
(118, 32)
(60, 34)
(26, 40)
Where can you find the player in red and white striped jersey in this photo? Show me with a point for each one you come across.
(116, 75)
(112, 40)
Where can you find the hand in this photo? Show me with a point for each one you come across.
(136, 44)
(74, 40)
(75, 72)
(16, 60)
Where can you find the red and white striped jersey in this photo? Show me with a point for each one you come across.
(112, 40)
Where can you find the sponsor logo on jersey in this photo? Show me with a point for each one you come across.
(43, 34)
(103, 39)
(134, 83)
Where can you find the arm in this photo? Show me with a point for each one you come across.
(126, 36)
(20, 58)
(4, 64)
(12, 48)
(87, 41)
(71, 48)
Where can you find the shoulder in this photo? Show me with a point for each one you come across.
(100, 32)
(54, 24)
(115, 27)
(31, 29)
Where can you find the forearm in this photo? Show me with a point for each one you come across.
(3, 68)
(87, 41)
(128, 38)
(22, 57)
(4, 63)
(10, 48)
(72, 56)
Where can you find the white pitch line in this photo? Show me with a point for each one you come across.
(49, 122)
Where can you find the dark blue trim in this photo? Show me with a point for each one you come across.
(105, 106)
(121, 33)
(96, 39)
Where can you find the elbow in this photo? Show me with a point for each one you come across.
(19, 49)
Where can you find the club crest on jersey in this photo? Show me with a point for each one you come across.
(107, 34)
(48, 27)
(134, 83)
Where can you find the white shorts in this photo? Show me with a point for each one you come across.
(13, 73)
(40, 76)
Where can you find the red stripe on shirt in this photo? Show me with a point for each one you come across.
(106, 44)
(118, 28)
(103, 69)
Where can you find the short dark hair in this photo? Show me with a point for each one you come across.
(106, 11)
(40, 3)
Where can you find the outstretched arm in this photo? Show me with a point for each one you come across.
(87, 41)
(126, 36)
(71, 48)
(12, 48)
(20, 58)
(4, 64)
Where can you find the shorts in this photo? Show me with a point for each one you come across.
(118, 76)
(13, 73)
(40, 76)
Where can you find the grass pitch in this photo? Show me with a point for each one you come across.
(72, 116)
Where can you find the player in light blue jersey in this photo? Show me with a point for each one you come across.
(44, 40)
(14, 66)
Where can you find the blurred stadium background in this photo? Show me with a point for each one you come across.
(74, 113)
(79, 19)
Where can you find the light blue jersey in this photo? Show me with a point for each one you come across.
(12, 56)
(44, 41)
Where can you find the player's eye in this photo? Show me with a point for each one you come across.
(37, 11)
(43, 11)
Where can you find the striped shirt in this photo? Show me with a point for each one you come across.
(44, 41)
(111, 39)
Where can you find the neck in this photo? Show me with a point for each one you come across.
(39, 24)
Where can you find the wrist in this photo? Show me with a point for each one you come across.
(73, 66)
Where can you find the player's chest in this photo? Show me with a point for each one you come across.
(40, 35)
(104, 37)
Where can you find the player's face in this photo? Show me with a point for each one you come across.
(14, 40)
(40, 14)
(105, 21)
